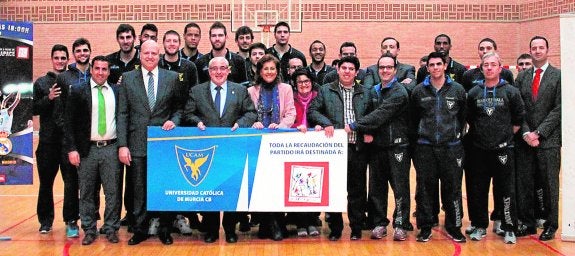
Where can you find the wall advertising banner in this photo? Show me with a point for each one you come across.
(16, 132)
(246, 170)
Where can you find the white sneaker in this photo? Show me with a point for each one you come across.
(312, 231)
(154, 225)
(478, 234)
(182, 225)
(497, 228)
(510, 238)
(301, 232)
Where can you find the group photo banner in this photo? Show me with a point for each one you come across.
(246, 170)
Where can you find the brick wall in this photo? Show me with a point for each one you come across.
(414, 23)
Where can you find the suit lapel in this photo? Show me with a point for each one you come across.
(88, 94)
(543, 84)
(141, 91)
(231, 93)
(162, 87)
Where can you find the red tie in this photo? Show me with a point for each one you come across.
(535, 85)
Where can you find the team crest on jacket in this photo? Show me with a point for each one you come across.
(399, 157)
(459, 161)
(489, 111)
(181, 77)
(450, 104)
(195, 164)
(503, 159)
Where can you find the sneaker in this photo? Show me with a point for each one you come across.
(456, 235)
(510, 237)
(497, 228)
(540, 223)
(469, 230)
(399, 234)
(301, 232)
(182, 225)
(478, 234)
(312, 231)
(424, 235)
(154, 225)
(45, 229)
(379, 232)
(72, 230)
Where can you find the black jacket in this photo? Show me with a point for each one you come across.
(492, 113)
(237, 65)
(438, 116)
(388, 115)
(44, 107)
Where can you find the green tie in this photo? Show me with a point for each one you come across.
(101, 112)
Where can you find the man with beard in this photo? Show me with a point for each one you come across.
(318, 68)
(192, 36)
(48, 156)
(244, 38)
(77, 73)
(405, 73)
(218, 37)
(148, 32)
(283, 50)
(524, 62)
(188, 78)
(454, 69)
(126, 59)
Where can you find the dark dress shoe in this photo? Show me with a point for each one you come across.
(548, 234)
(112, 237)
(166, 238)
(89, 239)
(231, 238)
(523, 230)
(276, 232)
(137, 238)
(334, 235)
(210, 238)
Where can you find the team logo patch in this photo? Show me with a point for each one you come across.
(399, 157)
(136, 67)
(195, 164)
(5, 146)
(459, 161)
(181, 77)
(489, 111)
(450, 104)
(503, 159)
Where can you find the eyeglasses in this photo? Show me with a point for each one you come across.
(222, 68)
(304, 82)
(386, 67)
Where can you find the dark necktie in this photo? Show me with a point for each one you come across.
(218, 99)
(535, 85)
(101, 112)
(151, 94)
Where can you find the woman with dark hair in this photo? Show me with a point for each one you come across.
(306, 91)
(274, 103)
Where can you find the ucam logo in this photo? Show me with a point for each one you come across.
(195, 164)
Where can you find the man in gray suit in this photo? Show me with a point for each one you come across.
(220, 103)
(148, 97)
(90, 141)
(405, 73)
(540, 88)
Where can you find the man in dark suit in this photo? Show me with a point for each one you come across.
(405, 73)
(90, 139)
(540, 88)
(220, 103)
(148, 97)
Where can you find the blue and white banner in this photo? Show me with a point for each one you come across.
(246, 170)
(16, 134)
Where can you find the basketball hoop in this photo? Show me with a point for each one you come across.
(266, 28)
(266, 31)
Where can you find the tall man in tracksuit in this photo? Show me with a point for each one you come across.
(389, 156)
(438, 112)
(337, 105)
(495, 114)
